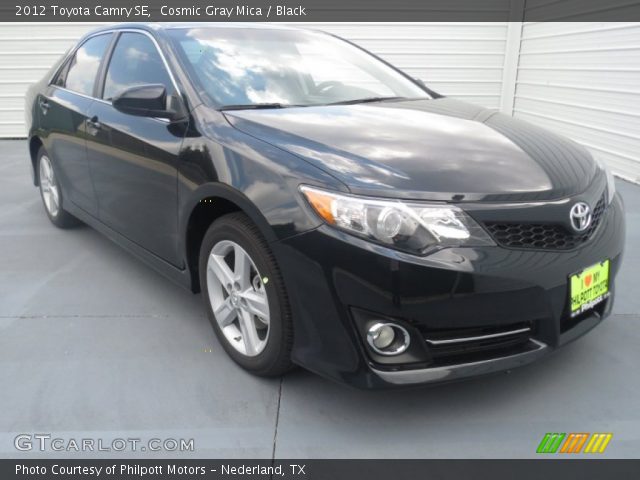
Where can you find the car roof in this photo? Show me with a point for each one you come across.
(159, 26)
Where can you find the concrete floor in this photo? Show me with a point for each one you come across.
(93, 343)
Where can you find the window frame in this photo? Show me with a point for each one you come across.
(99, 87)
(106, 59)
(63, 69)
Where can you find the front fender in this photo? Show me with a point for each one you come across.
(263, 180)
(219, 161)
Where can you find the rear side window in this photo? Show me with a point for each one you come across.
(79, 75)
(135, 61)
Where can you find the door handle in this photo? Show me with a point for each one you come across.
(94, 123)
(44, 106)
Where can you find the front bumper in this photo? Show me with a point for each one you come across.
(336, 282)
(462, 370)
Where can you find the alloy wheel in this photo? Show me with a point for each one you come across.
(49, 187)
(238, 298)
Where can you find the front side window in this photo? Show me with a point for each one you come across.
(135, 61)
(79, 75)
(236, 66)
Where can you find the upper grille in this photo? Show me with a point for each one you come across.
(545, 236)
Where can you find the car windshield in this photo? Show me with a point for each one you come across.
(272, 68)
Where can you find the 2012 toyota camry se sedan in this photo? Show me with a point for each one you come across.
(334, 212)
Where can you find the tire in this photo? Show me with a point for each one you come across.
(259, 343)
(51, 192)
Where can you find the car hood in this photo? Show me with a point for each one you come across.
(440, 149)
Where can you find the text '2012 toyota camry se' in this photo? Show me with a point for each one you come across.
(334, 212)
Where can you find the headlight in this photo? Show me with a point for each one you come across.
(408, 226)
(611, 182)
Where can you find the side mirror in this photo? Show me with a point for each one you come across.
(147, 101)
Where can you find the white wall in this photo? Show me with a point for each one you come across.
(583, 80)
(579, 79)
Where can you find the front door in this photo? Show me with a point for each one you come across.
(133, 159)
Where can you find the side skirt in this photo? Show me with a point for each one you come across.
(181, 277)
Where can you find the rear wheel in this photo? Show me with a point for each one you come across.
(245, 296)
(51, 193)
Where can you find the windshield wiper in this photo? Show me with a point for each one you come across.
(366, 100)
(255, 106)
(258, 106)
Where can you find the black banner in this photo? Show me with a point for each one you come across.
(320, 469)
(320, 10)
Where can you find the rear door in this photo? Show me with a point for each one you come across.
(63, 114)
(134, 159)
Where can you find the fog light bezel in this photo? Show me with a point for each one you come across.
(398, 346)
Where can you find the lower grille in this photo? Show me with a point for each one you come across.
(469, 344)
(543, 236)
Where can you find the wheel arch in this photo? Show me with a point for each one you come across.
(35, 143)
(208, 203)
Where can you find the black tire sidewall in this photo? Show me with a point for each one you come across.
(234, 228)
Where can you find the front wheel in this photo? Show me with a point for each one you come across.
(245, 296)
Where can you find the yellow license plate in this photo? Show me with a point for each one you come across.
(589, 287)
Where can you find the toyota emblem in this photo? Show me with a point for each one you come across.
(580, 216)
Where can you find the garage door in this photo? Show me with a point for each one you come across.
(583, 80)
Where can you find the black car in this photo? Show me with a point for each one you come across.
(335, 213)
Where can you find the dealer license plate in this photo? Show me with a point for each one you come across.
(589, 287)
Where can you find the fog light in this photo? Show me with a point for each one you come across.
(382, 336)
(388, 338)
